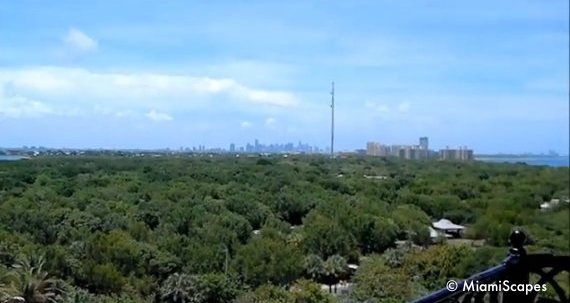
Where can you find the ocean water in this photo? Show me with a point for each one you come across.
(539, 161)
(10, 158)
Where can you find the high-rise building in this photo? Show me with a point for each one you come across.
(372, 148)
(410, 152)
(232, 147)
(461, 154)
(424, 143)
(376, 149)
(418, 152)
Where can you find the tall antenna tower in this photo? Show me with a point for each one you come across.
(332, 121)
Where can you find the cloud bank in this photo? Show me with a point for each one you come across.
(79, 41)
(55, 90)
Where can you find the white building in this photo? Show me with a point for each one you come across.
(448, 228)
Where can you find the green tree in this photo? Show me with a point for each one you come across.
(28, 282)
(217, 288)
(180, 288)
(376, 282)
(265, 260)
(335, 268)
(314, 267)
(437, 264)
(375, 234)
(105, 278)
(267, 293)
(306, 291)
(412, 223)
(326, 237)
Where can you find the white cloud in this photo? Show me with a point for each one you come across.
(43, 81)
(18, 107)
(267, 97)
(438, 110)
(256, 72)
(158, 116)
(270, 121)
(245, 124)
(78, 41)
(69, 89)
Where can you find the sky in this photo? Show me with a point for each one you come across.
(490, 75)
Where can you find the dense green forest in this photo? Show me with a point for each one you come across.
(260, 229)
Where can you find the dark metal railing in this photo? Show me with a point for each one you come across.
(514, 271)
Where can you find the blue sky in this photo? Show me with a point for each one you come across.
(492, 75)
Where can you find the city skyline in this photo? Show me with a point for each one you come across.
(105, 76)
(276, 147)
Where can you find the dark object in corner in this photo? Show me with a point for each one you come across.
(516, 268)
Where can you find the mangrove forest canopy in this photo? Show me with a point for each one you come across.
(103, 229)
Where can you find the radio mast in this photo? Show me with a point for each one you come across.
(332, 121)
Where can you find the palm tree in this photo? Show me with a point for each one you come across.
(180, 288)
(29, 283)
(3, 292)
(335, 267)
(314, 267)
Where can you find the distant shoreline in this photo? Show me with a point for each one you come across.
(530, 156)
(553, 161)
(13, 157)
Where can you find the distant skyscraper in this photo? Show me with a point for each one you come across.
(376, 149)
(424, 143)
(232, 148)
(372, 148)
(461, 154)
